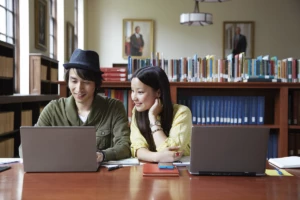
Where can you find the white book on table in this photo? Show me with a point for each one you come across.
(286, 162)
(183, 161)
(127, 161)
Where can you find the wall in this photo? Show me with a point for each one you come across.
(65, 13)
(276, 26)
(32, 48)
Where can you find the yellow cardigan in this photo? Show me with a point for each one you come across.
(180, 133)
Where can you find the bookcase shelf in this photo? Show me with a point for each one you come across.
(17, 110)
(271, 126)
(43, 75)
(294, 127)
(16, 105)
(276, 101)
(8, 135)
(7, 77)
(117, 84)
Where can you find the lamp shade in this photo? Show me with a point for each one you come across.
(196, 19)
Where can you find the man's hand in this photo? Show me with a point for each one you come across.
(99, 156)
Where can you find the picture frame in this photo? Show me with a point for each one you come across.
(246, 29)
(70, 40)
(41, 19)
(133, 46)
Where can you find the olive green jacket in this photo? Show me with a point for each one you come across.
(107, 115)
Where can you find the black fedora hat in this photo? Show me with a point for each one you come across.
(84, 59)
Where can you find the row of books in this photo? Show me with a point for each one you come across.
(233, 69)
(235, 110)
(6, 67)
(124, 96)
(294, 107)
(294, 144)
(6, 122)
(114, 73)
(7, 148)
(272, 145)
(26, 118)
(53, 73)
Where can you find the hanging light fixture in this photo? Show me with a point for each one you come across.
(198, 18)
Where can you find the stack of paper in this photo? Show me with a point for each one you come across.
(124, 162)
(10, 160)
(286, 162)
(184, 161)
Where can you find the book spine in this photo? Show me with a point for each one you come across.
(113, 70)
(114, 79)
(114, 75)
(129, 68)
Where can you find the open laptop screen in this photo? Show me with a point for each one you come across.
(221, 150)
(59, 149)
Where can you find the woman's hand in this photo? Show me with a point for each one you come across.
(170, 154)
(155, 110)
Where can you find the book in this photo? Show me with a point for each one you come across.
(113, 69)
(183, 161)
(127, 161)
(150, 169)
(114, 75)
(286, 162)
(114, 79)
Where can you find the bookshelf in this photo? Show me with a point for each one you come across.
(16, 111)
(276, 101)
(22, 110)
(43, 75)
(7, 78)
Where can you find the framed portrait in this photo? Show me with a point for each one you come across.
(137, 38)
(41, 19)
(238, 36)
(70, 40)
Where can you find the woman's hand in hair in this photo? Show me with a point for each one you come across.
(155, 110)
(170, 154)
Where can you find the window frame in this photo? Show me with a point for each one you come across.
(53, 19)
(13, 13)
(76, 24)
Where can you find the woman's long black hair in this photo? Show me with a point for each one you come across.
(157, 79)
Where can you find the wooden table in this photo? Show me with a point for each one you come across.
(129, 183)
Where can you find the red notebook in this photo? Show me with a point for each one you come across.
(153, 170)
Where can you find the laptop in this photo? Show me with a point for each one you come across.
(59, 149)
(228, 151)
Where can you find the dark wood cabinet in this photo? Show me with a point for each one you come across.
(43, 75)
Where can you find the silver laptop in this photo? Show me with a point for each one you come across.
(237, 151)
(59, 149)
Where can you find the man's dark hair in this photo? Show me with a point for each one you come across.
(88, 75)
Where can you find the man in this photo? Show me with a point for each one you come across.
(136, 43)
(239, 42)
(85, 108)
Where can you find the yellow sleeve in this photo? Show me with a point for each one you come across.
(137, 139)
(180, 133)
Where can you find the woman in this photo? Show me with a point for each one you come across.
(160, 130)
(85, 108)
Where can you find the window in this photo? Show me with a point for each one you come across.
(53, 25)
(76, 24)
(7, 21)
